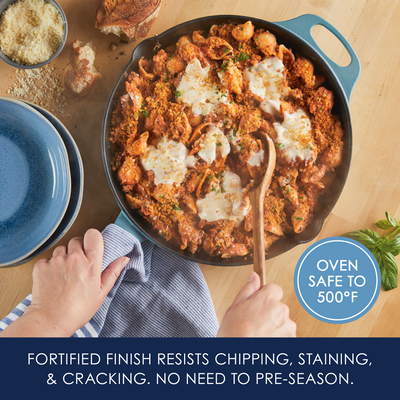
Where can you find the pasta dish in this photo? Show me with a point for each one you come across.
(187, 150)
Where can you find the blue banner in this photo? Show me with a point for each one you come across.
(198, 368)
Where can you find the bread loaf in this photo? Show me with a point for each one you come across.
(133, 18)
(81, 75)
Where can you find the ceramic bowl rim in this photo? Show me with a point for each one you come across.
(45, 246)
(67, 183)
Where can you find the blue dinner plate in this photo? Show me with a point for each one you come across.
(77, 185)
(35, 181)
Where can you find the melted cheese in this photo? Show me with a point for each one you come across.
(256, 159)
(228, 205)
(294, 136)
(215, 143)
(266, 81)
(234, 140)
(198, 91)
(169, 161)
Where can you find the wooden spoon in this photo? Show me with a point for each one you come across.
(256, 197)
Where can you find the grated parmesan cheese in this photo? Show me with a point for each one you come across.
(31, 31)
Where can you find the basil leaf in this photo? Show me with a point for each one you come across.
(390, 245)
(384, 224)
(388, 267)
(377, 254)
(389, 271)
(365, 236)
(391, 220)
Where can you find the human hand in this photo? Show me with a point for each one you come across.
(69, 288)
(257, 312)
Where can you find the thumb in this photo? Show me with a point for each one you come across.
(111, 274)
(253, 285)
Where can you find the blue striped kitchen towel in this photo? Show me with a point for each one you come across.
(157, 295)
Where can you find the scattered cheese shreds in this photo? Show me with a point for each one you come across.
(40, 86)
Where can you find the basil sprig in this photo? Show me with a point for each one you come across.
(384, 248)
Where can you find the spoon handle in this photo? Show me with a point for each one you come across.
(258, 238)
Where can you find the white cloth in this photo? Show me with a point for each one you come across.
(157, 295)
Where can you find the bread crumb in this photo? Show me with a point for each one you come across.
(130, 18)
(80, 74)
(40, 86)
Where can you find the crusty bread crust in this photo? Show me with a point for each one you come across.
(80, 74)
(133, 18)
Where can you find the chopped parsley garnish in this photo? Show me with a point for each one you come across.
(298, 218)
(145, 113)
(226, 50)
(176, 207)
(243, 56)
(234, 132)
(213, 188)
(210, 178)
(219, 144)
(224, 65)
(177, 93)
(222, 189)
(279, 145)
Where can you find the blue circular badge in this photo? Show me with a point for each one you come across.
(337, 280)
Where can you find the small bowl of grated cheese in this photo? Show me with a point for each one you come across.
(32, 32)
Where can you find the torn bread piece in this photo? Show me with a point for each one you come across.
(133, 18)
(81, 75)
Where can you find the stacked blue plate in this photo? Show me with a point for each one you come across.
(41, 181)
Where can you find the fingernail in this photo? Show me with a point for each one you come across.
(125, 262)
(251, 277)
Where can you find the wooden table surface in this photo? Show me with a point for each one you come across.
(373, 29)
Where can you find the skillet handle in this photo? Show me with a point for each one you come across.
(123, 222)
(301, 26)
